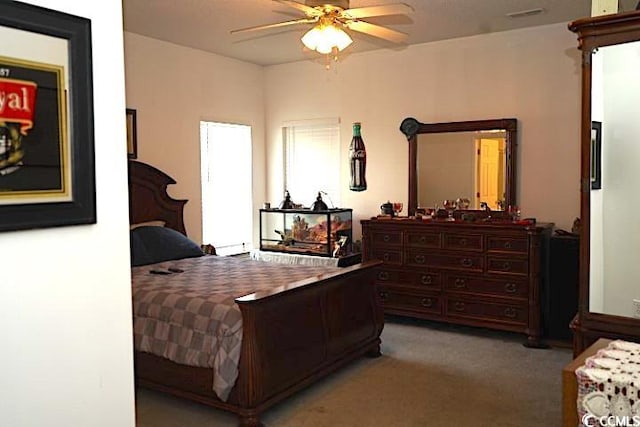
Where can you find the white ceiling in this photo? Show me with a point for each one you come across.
(206, 24)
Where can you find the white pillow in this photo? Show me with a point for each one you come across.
(155, 223)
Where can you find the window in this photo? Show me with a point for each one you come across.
(227, 206)
(312, 161)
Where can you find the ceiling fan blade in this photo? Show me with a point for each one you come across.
(388, 9)
(377, 31)
(276, 25)
(308, 10)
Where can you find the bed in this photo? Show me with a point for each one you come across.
(304, 326)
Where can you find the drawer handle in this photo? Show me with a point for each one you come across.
(511, 288)
(384, 296)
(383, 275)
(423, 239)
(507, 245)
(426, 302)
(426, 279)
(460, 283)
(510, 312)
(386, 238)
(462, 242)
(466, 262)
(459, 306)
(506, 266)
(420, 259)
(386, 257)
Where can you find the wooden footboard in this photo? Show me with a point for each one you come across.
(292, 337)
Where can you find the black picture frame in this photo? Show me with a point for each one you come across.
(596, 155)
(132, 134)
(30, 198)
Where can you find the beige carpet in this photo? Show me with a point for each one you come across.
(429, 375)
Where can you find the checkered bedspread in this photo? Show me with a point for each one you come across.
(191, 318)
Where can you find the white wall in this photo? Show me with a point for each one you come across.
(596, 238)
(173, 88)
(620, 177)
(66, 306)
(532, 75)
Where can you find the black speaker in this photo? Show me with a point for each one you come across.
(560, 299)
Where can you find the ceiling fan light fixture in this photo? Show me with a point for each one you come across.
(330, 19)
(324, 37)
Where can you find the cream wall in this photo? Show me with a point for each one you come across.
(532, 75)
(173, 88)
(620, 177)
(66, 301)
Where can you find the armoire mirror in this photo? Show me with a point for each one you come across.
(610, 146)
(475, 160)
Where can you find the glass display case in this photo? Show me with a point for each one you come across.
(304, 231)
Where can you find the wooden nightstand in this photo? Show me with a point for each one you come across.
(570, 384)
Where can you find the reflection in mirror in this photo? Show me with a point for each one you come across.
(614, 243)
(462, 165)
(473, 160)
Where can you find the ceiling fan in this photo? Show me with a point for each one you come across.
(331, 17)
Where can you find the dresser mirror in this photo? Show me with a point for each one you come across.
(610, 132)
(474, 160)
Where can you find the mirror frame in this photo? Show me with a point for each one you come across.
(593, 33)
(411, 128)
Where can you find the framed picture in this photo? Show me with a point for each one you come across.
(47, 173)
(132, 135)
(596, 155)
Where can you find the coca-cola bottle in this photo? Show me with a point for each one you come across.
(357, 160)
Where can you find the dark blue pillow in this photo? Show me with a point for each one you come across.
(139, 254)
(150, 245)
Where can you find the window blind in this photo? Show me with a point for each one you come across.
(226, 176)
(312, 161)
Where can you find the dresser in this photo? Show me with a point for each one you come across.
(480, 274)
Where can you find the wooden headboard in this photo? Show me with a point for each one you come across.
(148, 198)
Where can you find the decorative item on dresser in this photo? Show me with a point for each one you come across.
(480, 274)
(609, 296)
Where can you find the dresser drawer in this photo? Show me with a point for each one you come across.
(466, 242)
(391, 298)
(507, 244)
(509, 313)
(387, 255)
(418, 279)
(482, 286)
(423, 240)
(508, 265)
(466, 262)
(386, 238)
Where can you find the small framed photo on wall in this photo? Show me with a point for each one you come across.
(132, 134)
(596, 155)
